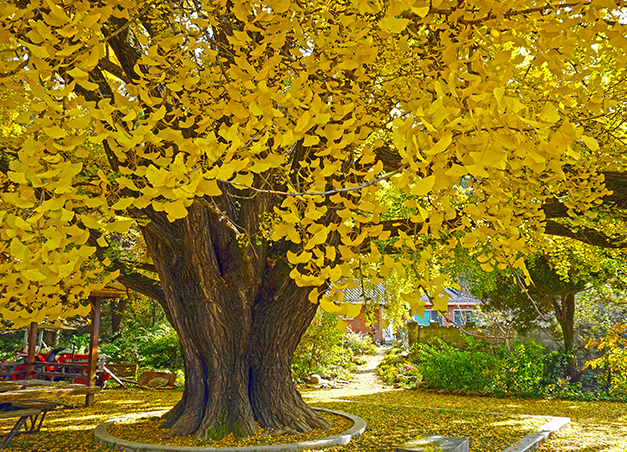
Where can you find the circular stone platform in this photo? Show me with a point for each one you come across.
(102, 436)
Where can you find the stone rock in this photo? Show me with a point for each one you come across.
(315, 379)
(158, 382)
(145, 377)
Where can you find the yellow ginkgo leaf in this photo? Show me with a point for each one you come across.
(393, 24)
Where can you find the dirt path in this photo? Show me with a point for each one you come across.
(365, 381)
(366, 375)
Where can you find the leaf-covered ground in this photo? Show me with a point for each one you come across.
(393, 416)
(596, 426)
(148, 430)
(72, 427)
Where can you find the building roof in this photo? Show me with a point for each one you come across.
(366, 293)
(378, 294)
(461, 297)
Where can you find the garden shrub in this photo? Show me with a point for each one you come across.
(358, 344)
(79, 343)
(612, 365)
(398, 368)
(321, 351)
(522, 369)
(446, 367)
(11, 343)
(154, 347)
(525, 370)
(160, 348)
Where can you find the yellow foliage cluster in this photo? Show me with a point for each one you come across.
(473, 110)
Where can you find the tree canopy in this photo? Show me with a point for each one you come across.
(483, 113)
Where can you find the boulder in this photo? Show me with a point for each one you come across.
(158, 382)
(146, 377)
(315, 379)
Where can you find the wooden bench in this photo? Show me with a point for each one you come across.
(36, 389)
(122, 373)
(30, 415)
(123, 370)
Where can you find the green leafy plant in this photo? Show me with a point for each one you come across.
(612, 365)
(446, 367)
(399, 368)
(358, 344)
(10, 344)
(524, 370)
(321, 351)
(155, 347)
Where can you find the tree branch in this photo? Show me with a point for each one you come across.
(141, 265)
(323, 193)
(585, 235)
(222, 216)
(133, 280)
(112, 68)
(140, 283)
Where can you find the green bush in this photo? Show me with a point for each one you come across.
(10, 344)
(398, 368)
(324, 350)
(358, 344)
(525, 370)
(445, 367)
(154, 347)
(522, 369)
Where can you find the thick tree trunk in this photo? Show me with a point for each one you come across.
(239, 318)
(117, 316)
(281, 315)
(565, 314)
(51, 338)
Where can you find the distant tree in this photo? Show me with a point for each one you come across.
(556, 280)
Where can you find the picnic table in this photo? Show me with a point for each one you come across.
(29, 416)
(28, 401)
(35, 389)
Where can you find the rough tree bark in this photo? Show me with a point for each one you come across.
(239, 317)
(564, 307)
(117, 316)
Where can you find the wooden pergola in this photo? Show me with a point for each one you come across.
(95, 299)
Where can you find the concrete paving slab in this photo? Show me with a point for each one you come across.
(435, 443)
(534, 440)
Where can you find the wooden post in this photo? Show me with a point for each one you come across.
(95, 299)
(30, 357)
(92, 362)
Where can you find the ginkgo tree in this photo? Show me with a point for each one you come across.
(248, 140)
